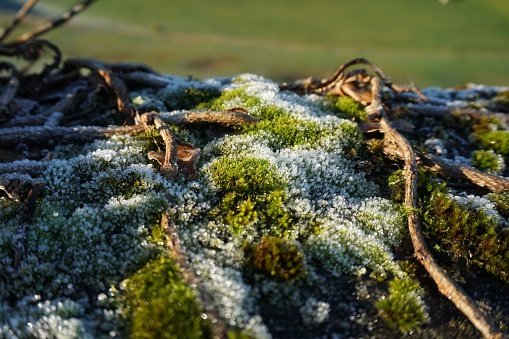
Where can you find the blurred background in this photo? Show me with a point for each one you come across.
(420, 41)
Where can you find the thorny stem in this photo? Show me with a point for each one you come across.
(445, 284)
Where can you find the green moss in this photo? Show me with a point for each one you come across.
(189, 98)
(237, 95)
(289, 131)
(502, 99)
(346, 107)
(242, 213)
(488, 161)
(501, 200)
(263, 212)
(468, 237)
(160, 305)
(246, 175)
(497, 141)
(403, 308)
(277, 258)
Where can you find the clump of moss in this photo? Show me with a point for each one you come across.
(403, 308)
(246, 175)
(346, 107)
(289, 131)
(501, 201)
(502, 99)
(237, 95)
(263, 211)
(160, 305)
(488, 161)
(277, 258)
(498, 141)
(189, 97)
(468, 236)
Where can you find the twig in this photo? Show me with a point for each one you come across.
(177, 252)
(492, 182)
(11, 88)
(230, 118)
(41, 134)
(27, 6)
(57, 22)
(111, 82)
(445, 284)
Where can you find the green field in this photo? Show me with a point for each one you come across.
(419, 40)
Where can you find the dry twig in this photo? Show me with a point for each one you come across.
(177, 252)
(445, 284)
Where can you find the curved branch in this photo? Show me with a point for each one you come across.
(445, 284)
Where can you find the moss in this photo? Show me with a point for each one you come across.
(189, 98)
(498, 141)
(488, 161)
(262, 211)
(289, 131)
(502, 99)
(245, 175)
(468, 237)
(237, 95)
(403, 308)
(241, 215)
(346, 107)
(277, 258)
(501, 201)
(160, 305)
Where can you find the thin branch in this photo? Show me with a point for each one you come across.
(57, 22)
(445, 284)
(177, 252)
(27, 6)
(230, 118)
(111, 82)
(42, 134)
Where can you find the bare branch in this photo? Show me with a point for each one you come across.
(445, 284)
(27, 6)
(57, 22)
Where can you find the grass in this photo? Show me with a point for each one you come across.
(431, 44)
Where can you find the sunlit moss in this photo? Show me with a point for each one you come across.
(289, 131)
(238, 96)
(159, 304)
(276, 257)
(346, 107)
(246, 174)
(468, 236)
(501, 200)
(497, 141)
(403, 308)
(488, 161)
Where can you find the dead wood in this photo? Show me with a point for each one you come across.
(43, 134)
(177, 252)
(233, 117)
(355, 84)
(445, 284)
(110, 81)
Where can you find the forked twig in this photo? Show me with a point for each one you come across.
(445, 284)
